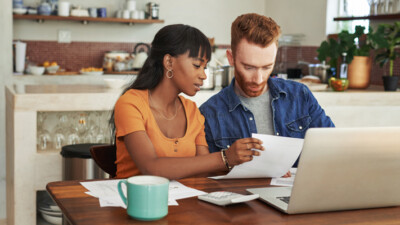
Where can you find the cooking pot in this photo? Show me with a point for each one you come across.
(140, 55)
(228, 72)
(209, 82)
(319, 70)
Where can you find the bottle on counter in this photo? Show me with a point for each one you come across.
(343, 67)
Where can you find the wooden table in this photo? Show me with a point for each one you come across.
(80, 208)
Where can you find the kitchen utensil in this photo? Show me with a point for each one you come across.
(93, 12)
(319, 70)
(20, 53)
(209, 82)
(293, 73)
(110, 57)
(140, 55)
(52, 69)
(63, 8)
(227, 74)
(152, 10)
(36, 70)
(44, 9)
(146, 197)
(130, 5)
(126, 14)
(102, 12)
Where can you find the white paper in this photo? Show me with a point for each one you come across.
(275, 161)
(107, 192)
(284, 181)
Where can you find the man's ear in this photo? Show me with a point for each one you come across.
(229, 55)
(168, 61)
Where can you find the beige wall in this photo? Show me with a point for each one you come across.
(210, 16)
(306, 17)
(5, 77)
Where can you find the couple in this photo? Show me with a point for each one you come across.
(161, 133)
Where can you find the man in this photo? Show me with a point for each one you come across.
(254, 102)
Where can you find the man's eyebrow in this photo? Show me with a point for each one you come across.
(267, 65)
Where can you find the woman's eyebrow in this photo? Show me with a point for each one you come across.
(199, 59)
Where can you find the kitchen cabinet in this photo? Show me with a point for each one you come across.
(29, 169)
(85, 20)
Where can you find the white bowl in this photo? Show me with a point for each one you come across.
(36, 70)
(52, 219)
(114, 83)
(20, 11)
(52, 69)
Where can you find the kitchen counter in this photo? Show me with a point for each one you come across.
(29, 170)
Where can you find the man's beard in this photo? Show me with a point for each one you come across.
(244, 86)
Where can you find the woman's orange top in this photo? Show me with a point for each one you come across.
(132, 113)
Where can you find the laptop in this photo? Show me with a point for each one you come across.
(342, 169)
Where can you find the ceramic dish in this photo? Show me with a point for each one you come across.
(50, 213)
(52, 69)
(52, 219)
(36, 70)
(20, 11)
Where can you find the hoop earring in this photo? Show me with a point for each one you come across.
(172, 74)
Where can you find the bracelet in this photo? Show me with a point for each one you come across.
(225, 159)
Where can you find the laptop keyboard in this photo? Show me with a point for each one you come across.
(284, 199)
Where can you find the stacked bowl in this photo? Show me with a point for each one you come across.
(48, 208)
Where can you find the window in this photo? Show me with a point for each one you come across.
(346, 8)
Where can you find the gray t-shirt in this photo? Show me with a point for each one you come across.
(260, 106)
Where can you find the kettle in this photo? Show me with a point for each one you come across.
(140, 55)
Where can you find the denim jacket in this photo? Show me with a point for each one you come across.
(294, 110)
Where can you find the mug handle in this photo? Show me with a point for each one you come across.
(121, 193)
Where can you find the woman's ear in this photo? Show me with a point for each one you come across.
(167, 61)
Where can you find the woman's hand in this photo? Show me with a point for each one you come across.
(241, 152)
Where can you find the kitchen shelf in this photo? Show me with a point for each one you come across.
(85, 20)
(372, 17)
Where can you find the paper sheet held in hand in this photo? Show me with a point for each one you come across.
(275, 161)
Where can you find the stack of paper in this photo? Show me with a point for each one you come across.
(275, 161)
(107, 192)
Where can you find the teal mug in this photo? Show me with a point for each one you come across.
(147, 197)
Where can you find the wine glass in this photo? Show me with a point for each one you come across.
(60, 130)
(43, 140)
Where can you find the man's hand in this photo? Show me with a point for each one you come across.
(288, 174)
(241, 152)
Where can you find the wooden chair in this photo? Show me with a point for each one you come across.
(105, 156)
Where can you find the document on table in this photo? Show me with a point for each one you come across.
(285, 181)
(107, 192)
(275, 161)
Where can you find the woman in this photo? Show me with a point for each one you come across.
(161, 133)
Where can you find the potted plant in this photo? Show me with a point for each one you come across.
(357, 47)
(385, 40)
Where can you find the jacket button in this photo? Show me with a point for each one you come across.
(251, 118)
(277, 134)
(300, 127)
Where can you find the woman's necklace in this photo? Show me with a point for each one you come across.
(162, 114)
